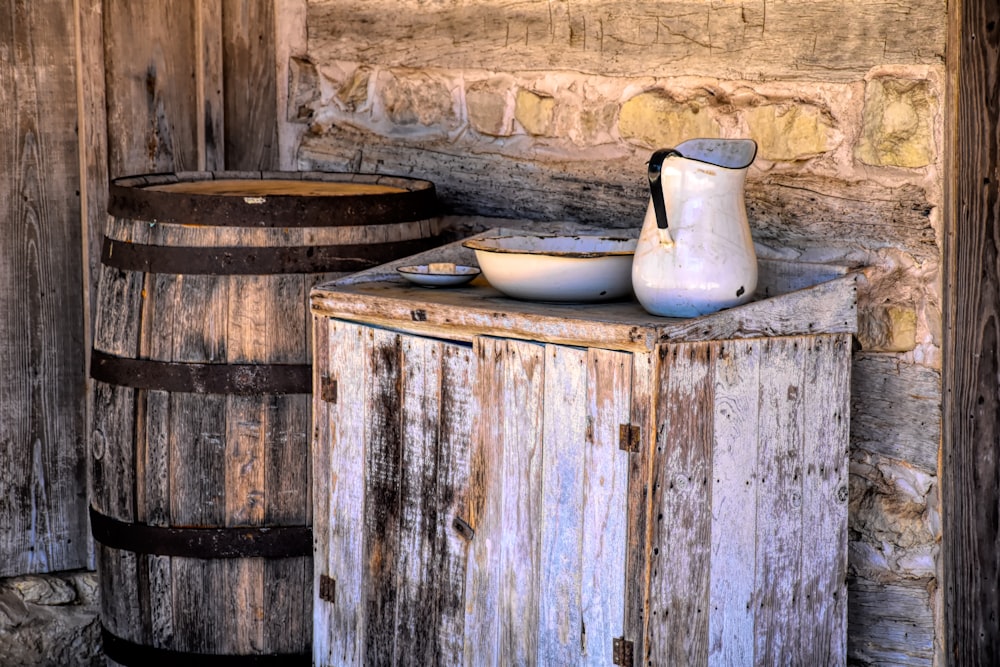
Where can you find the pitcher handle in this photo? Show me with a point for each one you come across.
(656, 185)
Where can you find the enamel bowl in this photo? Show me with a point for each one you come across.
(438, 274)
(557, 268)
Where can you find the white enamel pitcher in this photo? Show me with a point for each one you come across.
(695, 255)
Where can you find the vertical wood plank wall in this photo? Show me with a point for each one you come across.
(190, 85)
(91, 89)
(42, 510)
(971, 449)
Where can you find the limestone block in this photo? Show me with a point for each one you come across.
(890, 328)
(535, 112)
(487, 105)
(789, 132)
(353, 92)
(654, 120)
(593, 123)
(416, 98)
(50, 620)
(887, 314)
(44, 590)
(897, 123)
(888, 510)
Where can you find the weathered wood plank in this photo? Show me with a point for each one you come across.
(561, 633)
(340, 626)
(151, 85)
(287, 500)
(321, 455)
(485, 510)
(604, 535)
(210, 82)
(459, 424)
(244, 461)
(643, 414)
(753, 39)
(522, 385)
(43, 524)
(197, 483)
(198, 468)
(152, 460)
(970, 463)
(113, 429)
(195, 623)
(251, 123)
(680, 534)
(891, 623)
(896, 409)
(153, 478)
(416, 623)
(798, 211)
(826, 420)
(119, 613)
(734, 503)
(93, 149)
(779, 502)
(383, 471)
(463, 313)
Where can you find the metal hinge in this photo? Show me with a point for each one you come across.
(623, 652)
(328, 389)
(628, 437)
(327, 589)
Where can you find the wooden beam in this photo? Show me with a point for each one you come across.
(970, 480)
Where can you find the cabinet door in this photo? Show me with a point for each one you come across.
(546, 567)
(391, 470)
(745, 561)
(470, 502)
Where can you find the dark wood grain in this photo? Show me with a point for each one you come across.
(420, 534)
(383, 460)
(251, 122)
(42, 519)
(971, 465)
(151, 75)
(93, 146)
(459, 422)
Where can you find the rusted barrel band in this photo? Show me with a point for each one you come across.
(130, 197)
(131, 654)
(204, 543)
(198, 378)
(243, 260)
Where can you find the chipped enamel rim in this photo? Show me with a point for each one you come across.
(555, 246)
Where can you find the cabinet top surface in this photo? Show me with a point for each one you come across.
(792, 299)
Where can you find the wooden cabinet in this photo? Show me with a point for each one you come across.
(511, 483)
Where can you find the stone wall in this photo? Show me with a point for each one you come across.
(50, 620)
(549, 110)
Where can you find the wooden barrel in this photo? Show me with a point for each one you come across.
(200, 502)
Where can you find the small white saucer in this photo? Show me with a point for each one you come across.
(438, 274)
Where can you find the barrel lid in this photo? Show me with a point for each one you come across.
(272, 199)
